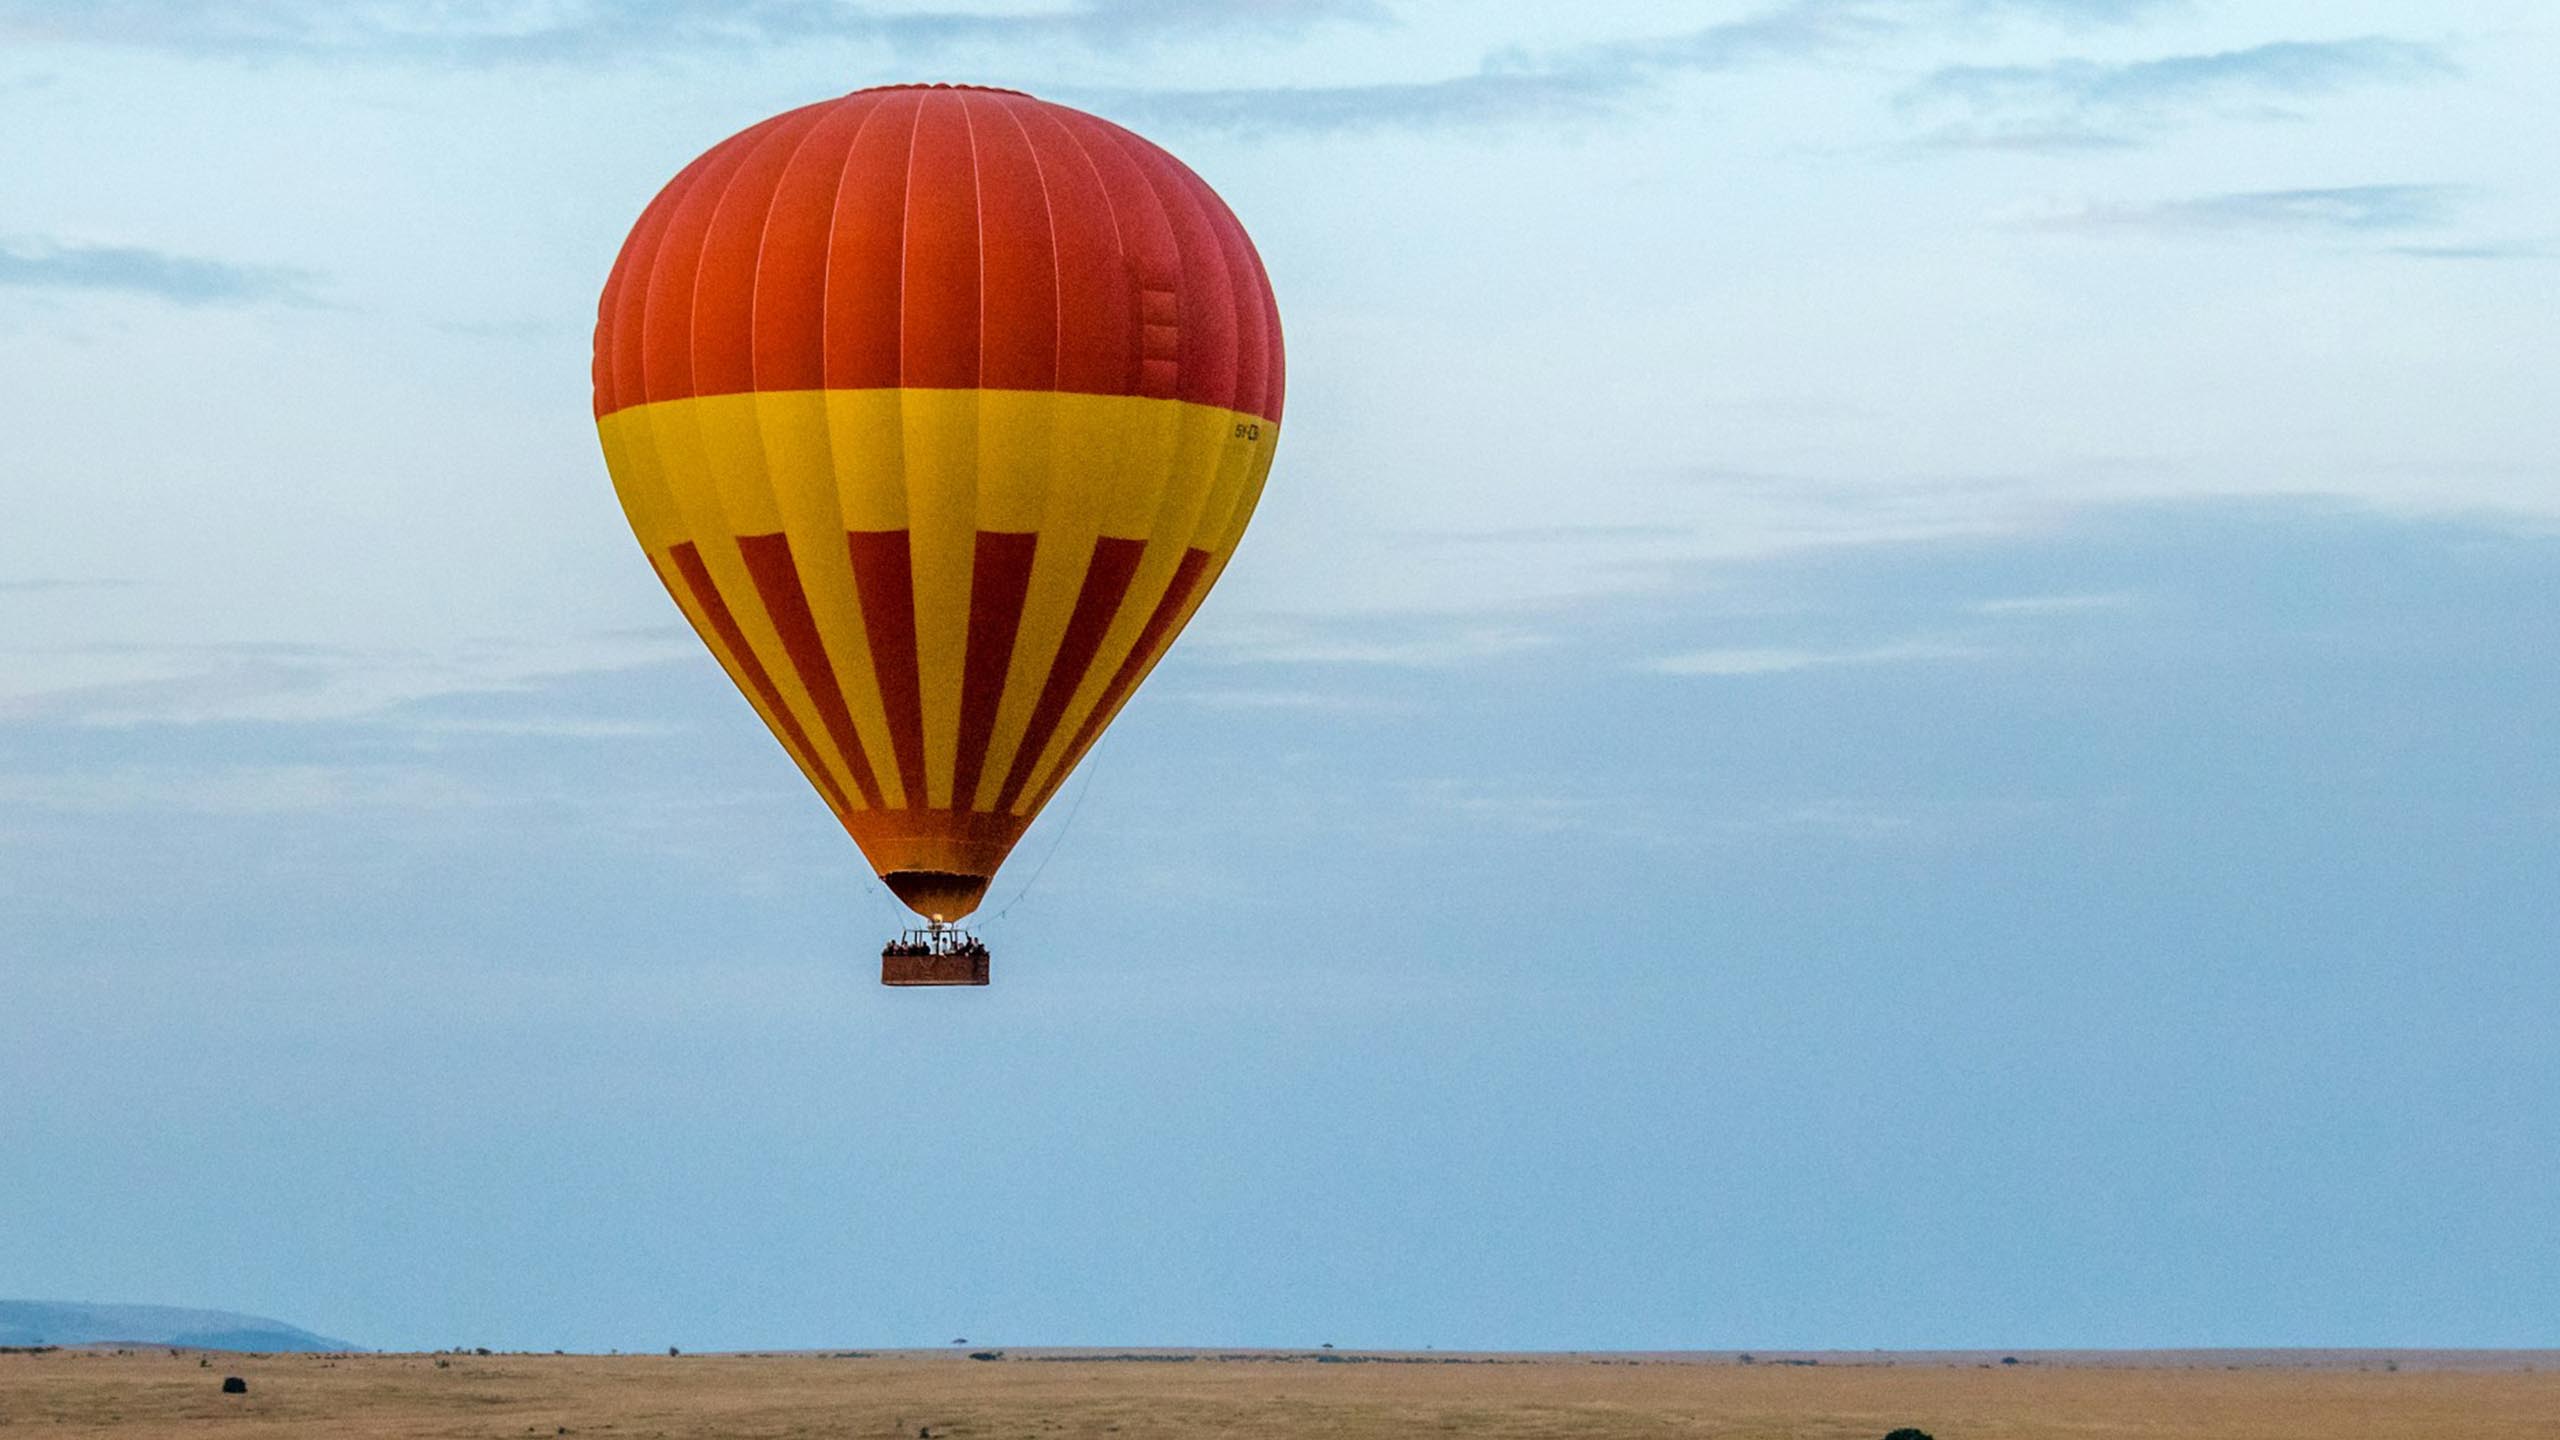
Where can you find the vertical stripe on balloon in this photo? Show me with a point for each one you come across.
(884, 578)
(1106, 579)
(777, 583)
(724, 626)
(997, 585)
(1152, 639)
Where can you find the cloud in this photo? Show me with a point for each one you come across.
(543, 727)
(529, 327)
(1489, 98)
(117, 685)
(29, 264)
(1539, 808)
(1416, 642)
(2069, 104)
(2105, 12)
(1508, 86)
(1780, 661)
(1312, 702)
(2071, 603)
(591, 31)
(1511, 86)
(53, 585)
(2350, 209)
(1538, 535)
(2472, 252)
(245, 789)
(1841, 818)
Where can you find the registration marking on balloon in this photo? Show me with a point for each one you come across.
(938, 412)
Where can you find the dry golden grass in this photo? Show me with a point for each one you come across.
(1039, 1395)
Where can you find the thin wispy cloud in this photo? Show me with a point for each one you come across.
(114, 685)
(246, 789)
(1508, 85)
(521, 328)
(2100, 12)
(2351, 209)
(2074, 603)
(1487, 98)
(52, 585)
(1540, 535)
(588, 31)
(1748, 661)
(2072, 104)
(1313, 702)
(33, 264)
(1526, 808)
(2472, 252)
(1515, 86)
(1403, 642)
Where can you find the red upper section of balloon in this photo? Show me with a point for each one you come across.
(944, 237)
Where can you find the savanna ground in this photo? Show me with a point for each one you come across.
(1037, 1395)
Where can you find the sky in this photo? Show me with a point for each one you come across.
(1893, 690)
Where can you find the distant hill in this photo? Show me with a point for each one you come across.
(53, 1322)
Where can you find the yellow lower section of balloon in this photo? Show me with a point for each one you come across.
(943, 466)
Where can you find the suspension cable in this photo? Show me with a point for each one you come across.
(1092, 763)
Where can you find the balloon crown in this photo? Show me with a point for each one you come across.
(943, 85)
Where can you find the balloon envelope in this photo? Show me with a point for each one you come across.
(938, 410)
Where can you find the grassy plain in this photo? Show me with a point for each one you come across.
(1050, 1395)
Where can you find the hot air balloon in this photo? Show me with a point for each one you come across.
(937, 409)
